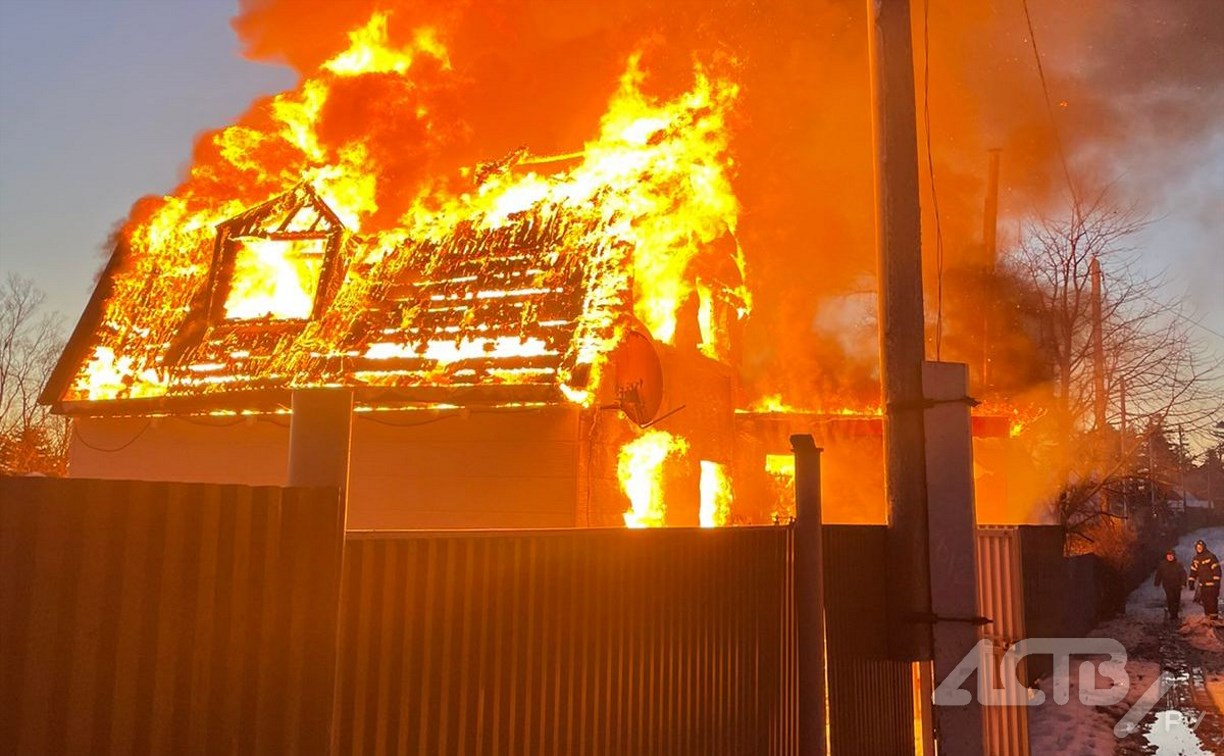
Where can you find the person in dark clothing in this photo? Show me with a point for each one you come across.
(1205, 569)
(1171, 576)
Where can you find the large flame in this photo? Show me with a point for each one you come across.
(654, 182)
(274, 279)
(716, 495)
(641, 471)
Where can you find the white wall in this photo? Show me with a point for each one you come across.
(480, 469)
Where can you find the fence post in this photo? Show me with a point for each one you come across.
(320, 439)
(809, 597)
(949, 474)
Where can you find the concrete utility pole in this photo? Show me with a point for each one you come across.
(902, 337)
(990, 215)
(1122, 452)
(1181, 464)
(949, 465)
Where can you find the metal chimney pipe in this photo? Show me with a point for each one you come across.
(320, 436)
(990, 214)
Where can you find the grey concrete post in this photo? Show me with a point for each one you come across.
(953, 533)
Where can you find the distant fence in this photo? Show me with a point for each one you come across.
(560, 642)
(1001, 581)
(166, 617)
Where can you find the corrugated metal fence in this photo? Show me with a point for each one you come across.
(871, 697)
(567, 642)
(169, 618)
(1001, 598)
(165, 617)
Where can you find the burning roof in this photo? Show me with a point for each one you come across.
(506, 290)
(291, 298)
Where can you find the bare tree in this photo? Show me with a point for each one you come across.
(31, 439)
(1149, 351)
(1147, 361)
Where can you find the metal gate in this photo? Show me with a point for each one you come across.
(566, 642)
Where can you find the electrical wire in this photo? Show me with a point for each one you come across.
(76, 432)
(926, 116)
(1182, 316)
(1049, 103)
(430, 421)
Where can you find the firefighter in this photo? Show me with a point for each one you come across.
(1171, 576)
(1205, 569)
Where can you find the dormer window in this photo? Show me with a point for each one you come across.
(276, 261)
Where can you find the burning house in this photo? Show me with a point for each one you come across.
(537, 341)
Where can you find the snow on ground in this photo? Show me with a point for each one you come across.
(1077, 729)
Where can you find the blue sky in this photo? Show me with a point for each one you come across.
(100, 101)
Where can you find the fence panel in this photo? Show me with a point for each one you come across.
(871, 697)
(566, 642)
(166, 617)
(1001, 598)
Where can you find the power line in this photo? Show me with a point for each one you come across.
(1189, 319)
(1181, 315)
(1062, 155)
(1045, 89)
(77, 432)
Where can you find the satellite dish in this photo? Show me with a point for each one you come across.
(638, 375)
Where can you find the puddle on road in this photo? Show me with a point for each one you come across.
(1174, 730)
(1172, 733)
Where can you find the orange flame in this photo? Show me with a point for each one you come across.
(716, 495)
(274, 279)
(640, 468)
(781, 469)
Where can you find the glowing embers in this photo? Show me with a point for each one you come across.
(641, 470)
(447, 352)
(274, 278)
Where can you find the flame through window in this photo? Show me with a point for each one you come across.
(274, 278)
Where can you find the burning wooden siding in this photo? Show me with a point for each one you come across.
(852, 466)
